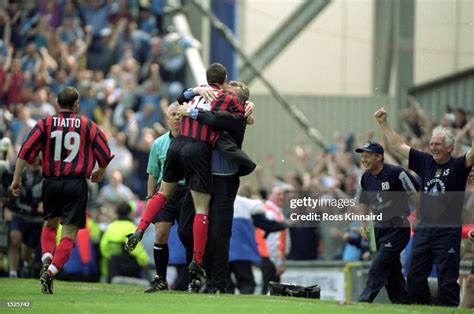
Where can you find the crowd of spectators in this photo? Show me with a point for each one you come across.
(121, 56)
(127, 63)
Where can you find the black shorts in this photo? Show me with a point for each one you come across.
(191, 159)
(30, 231)
(170, 212)
(66, 198)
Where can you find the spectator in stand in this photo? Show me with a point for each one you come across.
(95, 13)
(172, 58)
(123, 160)
(121, 10)
(21, 124)
(272, 249)
(69, 31)
(104, 52)
(243, 253)
(148, 22)
(13, 83)
(115, 192)
(139, 41)
(5, 30)
(460, 118)
(153, 57)
(61, 81)
(119, 261)
(89, 103)
(356, 248)
(41, 33)
(6, 55)
(304, 236)
(51, 10)
(30, 62)
(40, 106)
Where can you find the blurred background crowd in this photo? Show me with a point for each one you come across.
(128, 65)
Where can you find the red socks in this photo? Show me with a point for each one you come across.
(62, 253)
(153, 207)
(48, 240)
(200, 227)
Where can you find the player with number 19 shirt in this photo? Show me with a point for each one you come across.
(70, 146)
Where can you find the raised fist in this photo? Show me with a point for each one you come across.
(381, 115)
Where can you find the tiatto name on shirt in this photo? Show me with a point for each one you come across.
(66, 122)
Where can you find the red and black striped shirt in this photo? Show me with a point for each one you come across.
(203, 132)
(70, 145)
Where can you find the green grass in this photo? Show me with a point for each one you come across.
(72, 297)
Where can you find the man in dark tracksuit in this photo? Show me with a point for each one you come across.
(437, 238)
(386, 188)
(229, 162)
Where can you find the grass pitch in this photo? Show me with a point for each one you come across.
(75, 297)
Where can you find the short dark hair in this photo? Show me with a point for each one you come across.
(216, 74)
(67, 97)
(123, 210)
(244, 92)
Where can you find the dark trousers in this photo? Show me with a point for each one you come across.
(123, 265)
(442, 247)
(244, 280)
(268, 274)
(182, 279)
(386, 268)
(221, 212)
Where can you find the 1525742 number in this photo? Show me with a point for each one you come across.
(16, 304)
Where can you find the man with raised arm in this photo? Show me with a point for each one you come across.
(437, 236)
